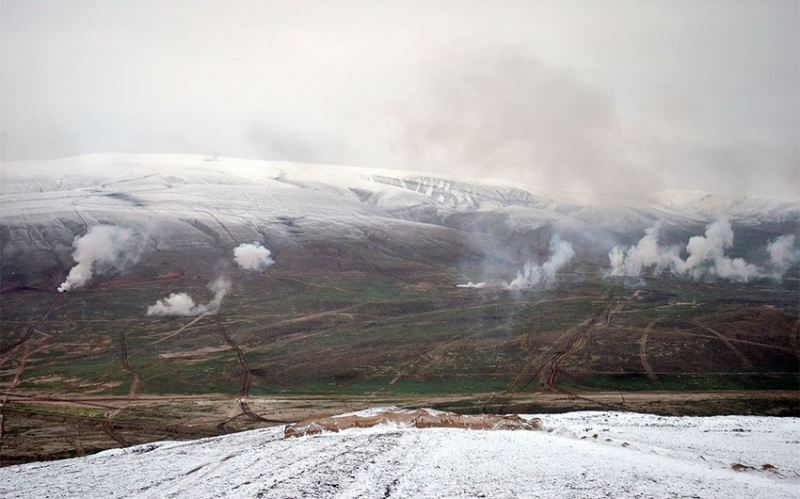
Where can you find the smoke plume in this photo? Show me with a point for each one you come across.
(706, 256)
(181, 304)
(105, 248)
(783, 253)
(470, 284)
(647, 253)
(252, 256)
(534, 276)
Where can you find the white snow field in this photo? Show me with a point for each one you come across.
(579, 455)
(168, 184)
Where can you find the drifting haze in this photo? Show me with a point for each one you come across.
(612, 98)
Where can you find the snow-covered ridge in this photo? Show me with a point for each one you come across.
(582, 454)
(709, 205)
(113, 173)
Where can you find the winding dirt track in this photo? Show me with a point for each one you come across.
(577, 341)
(134, 384)
(127, 367)
(7, 348)
(546, 366)
(99, 422)
(108, 427)
(181, 329)
(23, 362)
(643, 351)
(246, 378)
(728, 343)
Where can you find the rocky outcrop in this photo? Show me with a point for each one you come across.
(420, 418)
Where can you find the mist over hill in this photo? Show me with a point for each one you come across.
(320, 216)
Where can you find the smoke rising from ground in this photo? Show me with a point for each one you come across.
(181, 304)
(536, 276)
(783, 253)
(706, 256)
(252, 256)
(474, 285)
(105, 248)
(646, 254)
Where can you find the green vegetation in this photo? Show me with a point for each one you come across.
(360, 333)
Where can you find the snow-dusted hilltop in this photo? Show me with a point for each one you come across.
(709, 205)
(85, 181)
(178, 203)
(586, 454)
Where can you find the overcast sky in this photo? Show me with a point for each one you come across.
(610, 97)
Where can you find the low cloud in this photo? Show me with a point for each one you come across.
(501, 112)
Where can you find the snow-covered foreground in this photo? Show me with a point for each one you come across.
(582, 454)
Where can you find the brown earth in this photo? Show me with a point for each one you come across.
(420, 418)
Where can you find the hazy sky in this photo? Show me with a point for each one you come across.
(611, 96)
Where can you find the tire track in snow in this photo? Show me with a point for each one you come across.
(356, 471)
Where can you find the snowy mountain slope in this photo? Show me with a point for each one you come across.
(161, 182)
(586, 454)
(744, 209)
(194, 203)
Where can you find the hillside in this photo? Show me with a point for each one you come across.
(203, 296)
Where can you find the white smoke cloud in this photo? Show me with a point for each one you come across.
(647, 253)
(706, 258)
(252, 256)
(182, 304)
(105, 248)
(470, 284)
(534, 276)
(783, 253)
